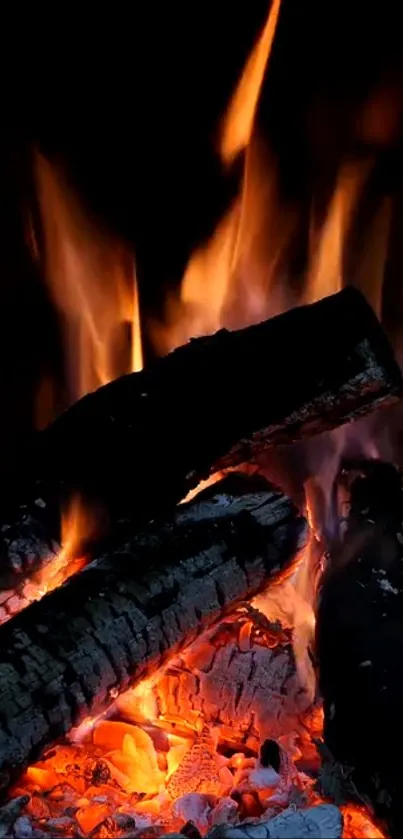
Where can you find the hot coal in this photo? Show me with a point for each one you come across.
(118, 620)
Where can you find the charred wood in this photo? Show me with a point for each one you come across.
(360, 640)
(118, 620)
(216, 401)
(320, 822)
(240, 675)
(142, 442)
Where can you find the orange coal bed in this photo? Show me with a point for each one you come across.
(224, 737)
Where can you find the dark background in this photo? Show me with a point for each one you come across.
(131, 99)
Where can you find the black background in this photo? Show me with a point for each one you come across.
(131, 98)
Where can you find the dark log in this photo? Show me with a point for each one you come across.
(360, 641)
(218, 400)
(142, 442)
(245, 682)
(65, 657)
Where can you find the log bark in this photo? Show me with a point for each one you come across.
(360, 641)
(143, 441)
(320, 822)
(215, 401)
(241, 675)
(68, 655)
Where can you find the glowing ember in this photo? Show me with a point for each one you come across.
(78, 525)
(358, 825)
(161, 772)
(226, 732)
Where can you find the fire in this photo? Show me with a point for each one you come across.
(78, 524)
(144, 767)
(325, 275)
(239, 120)
(197, 727)
(92, 280)
(357, 823)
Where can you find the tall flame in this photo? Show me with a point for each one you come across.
(225, 282)
(92, 280)
(238, 122)
(326, 268)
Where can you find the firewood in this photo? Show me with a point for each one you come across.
(9, 814)
(360, 641)
(217, 400)
(241, 675)
(321, 822)
(142, 442)
(67, 656)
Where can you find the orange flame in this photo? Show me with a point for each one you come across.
(238, 123)
(77, 524)
(326, 269)
(92, 280)
(227, 280)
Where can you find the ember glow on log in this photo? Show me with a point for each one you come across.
(158, 667)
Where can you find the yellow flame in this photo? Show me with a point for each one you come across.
(238, 123)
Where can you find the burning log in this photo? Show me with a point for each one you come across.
(360, 645)
(240, 676)
(66, 657)
(320, 822)
(143, 441)
(206, 405)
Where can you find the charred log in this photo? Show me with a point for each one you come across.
(240, 675)
(68, 655)
(360, 642)
(320, 822)
(206, 406)
(142, 442)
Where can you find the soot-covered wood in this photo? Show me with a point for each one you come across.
(65, 657)
(142, 442)
(360, 641)
(245, 681)
(217, 400)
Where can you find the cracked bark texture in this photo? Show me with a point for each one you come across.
(67, 656)
(319, 822)
(231, 677)
(140, 443)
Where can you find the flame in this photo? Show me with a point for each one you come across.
(92, 279)
(292, 603)
(164, 737)
(358, 823)
(239, 120)
(325, 275)
(78, 524)
(139, 764)
(210, 481)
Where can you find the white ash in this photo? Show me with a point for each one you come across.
(194, 807)
(321, 822)
(387, 587)
(264, 776)
(23, 828)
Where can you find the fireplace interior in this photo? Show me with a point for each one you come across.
(201, 518)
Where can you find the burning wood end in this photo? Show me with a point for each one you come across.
(194, 745)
